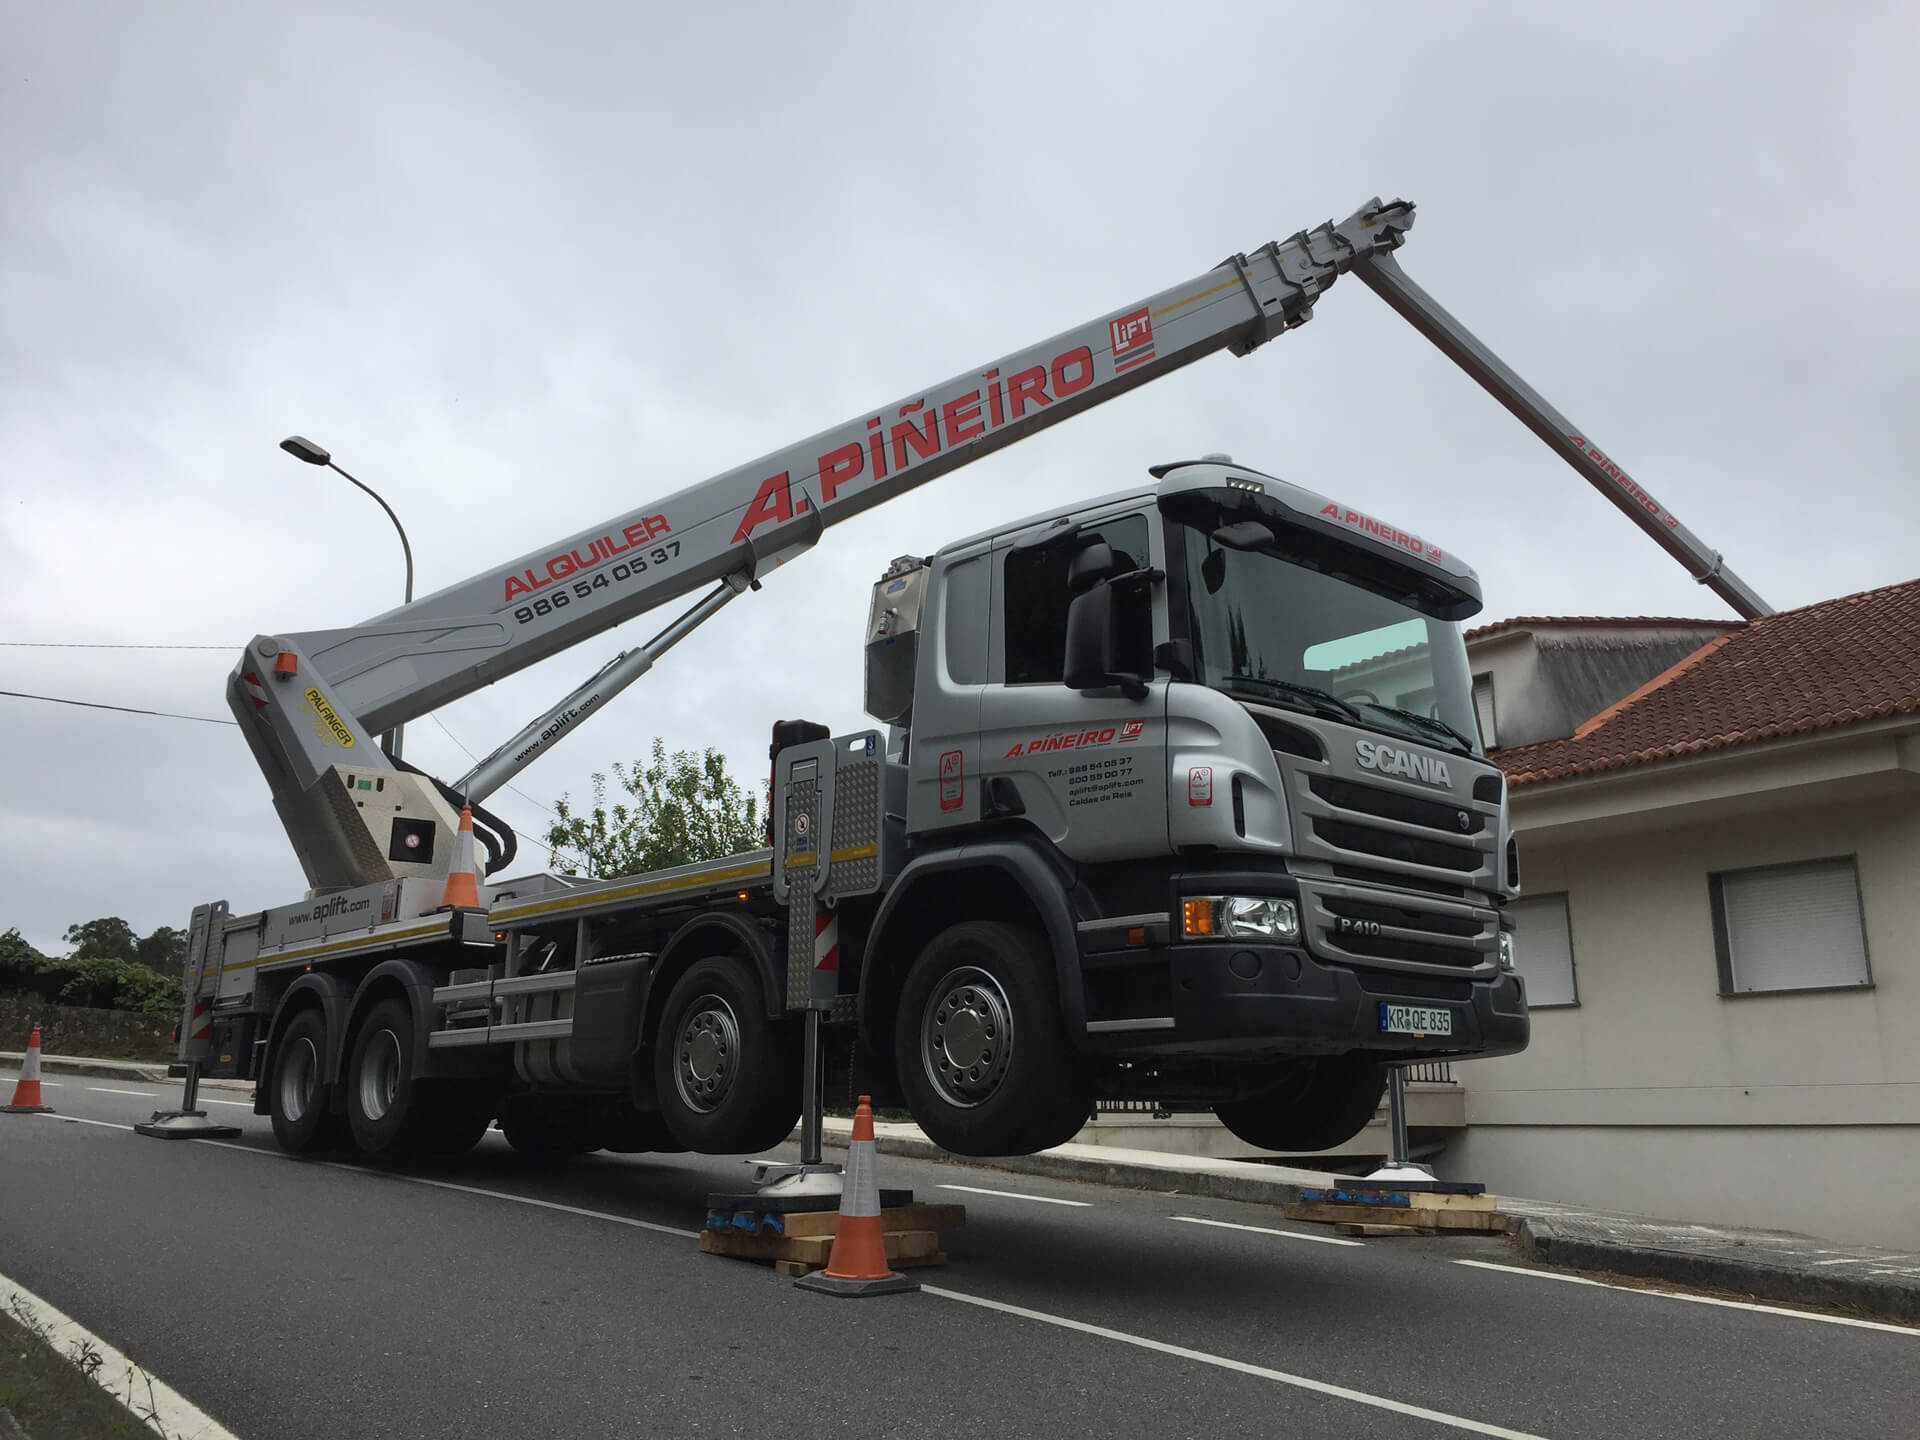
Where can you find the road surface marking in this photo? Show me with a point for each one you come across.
(138, 1094)
(463, 1189)
(209, 1100)
(144, 1395)
(1265, 1230)
(1696, 1299)
(1319, 1387)
(83, 1120)
(15, 1080)
(1016, 1195)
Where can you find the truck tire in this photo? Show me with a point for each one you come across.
(391, 1113)
(1316, 1105)
(299, 1100)
(727, 1077)
(636, 1132)
(983, 1056)
(461, 1112)
(546, 1134)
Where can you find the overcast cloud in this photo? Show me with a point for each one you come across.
(522, 268)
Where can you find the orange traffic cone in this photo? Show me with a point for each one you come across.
(858, 1264)
(462, 889)
(26, 1093)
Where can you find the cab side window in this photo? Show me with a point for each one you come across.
(1036, 599)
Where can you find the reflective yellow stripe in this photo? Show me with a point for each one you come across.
(633, 892)
(308, 952)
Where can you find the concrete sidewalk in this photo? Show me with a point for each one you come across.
(1773, 1265)
(152, 1072)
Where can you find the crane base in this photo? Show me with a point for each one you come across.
(185, 1125)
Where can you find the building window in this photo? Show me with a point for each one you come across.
(1543, 950)
(1483, 709)
(1789, 927)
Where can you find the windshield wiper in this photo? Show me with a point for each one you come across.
(1323, 700)
(1425, 722)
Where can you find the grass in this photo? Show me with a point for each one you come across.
(52, 1396)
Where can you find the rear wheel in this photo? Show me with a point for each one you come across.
(983, 1056)
(298, 1099)
(727, 1077)
(395, 1115)
(1313, 1105)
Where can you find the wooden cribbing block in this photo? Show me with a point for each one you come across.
(1350, 1227)
(1398, 1199)
(1485, 1221)
(906, 1217)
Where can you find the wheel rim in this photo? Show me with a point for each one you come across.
(966, 1037)
(299, 1078)
(380, 1075)
(707, 1055)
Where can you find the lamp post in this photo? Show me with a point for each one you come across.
(302, 448)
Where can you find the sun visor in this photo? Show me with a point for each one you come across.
(1328, 536)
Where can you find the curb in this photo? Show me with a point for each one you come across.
(154, 1073)
(1897, 1300)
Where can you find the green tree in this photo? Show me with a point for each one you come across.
(164, 950)
(111, 984)
(20, 963)
(680, 808)
(110, 938)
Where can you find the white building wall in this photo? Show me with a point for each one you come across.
(1655, 1094)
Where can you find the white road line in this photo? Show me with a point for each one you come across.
(1016, 1195)
(243, 1104)
(83, 1120)
(627, 1220)
(1696, 1299)
(109, 1090)
(133, 1386)
(15, 1080)
(1265, 1230)
(1302, 1382)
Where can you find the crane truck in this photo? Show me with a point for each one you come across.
(1174, 794)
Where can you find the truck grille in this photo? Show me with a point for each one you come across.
(1388, 845)
(1380, 929)
(1414, 839)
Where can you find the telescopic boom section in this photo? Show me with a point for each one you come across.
(1383, 275)
(408, 661)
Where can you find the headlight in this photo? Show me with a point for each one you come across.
(1506, 949)
(1239, 917)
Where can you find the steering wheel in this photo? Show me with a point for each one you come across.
(1366, 695)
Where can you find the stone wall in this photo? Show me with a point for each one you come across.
(77, 1030)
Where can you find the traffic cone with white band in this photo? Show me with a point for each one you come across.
(858, 1263)
(26, 1091)
(463, 889)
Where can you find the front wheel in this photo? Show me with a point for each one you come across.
(1313, 1105)
(983, 1056)
(727, 1077)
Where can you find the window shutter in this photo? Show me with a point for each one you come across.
(1483, 709)
(1794, 927)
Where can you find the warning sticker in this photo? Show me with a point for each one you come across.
(953, 780)
(1200, 785)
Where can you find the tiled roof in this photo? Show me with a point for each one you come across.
(1836, 663)
(1609, 622)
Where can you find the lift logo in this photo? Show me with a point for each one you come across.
(331, 728)
(1062, 740)
(1620, 477)
(1132, 336)
(1380, 530)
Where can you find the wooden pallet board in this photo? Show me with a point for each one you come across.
(906, 1217)
(1398, 1199)
(902, 1245)
(1484, 1221)
(1351, 1227)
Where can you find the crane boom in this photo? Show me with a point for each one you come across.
(1383, 275)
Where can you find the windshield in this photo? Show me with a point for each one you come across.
(1274, 630)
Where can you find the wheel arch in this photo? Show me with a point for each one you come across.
(997, 880)
(312, 991)
(392, 979)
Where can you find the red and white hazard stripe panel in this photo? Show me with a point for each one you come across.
(826, 940)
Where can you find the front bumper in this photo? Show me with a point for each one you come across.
(1232, 1000)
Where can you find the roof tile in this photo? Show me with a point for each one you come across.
(1835, 663)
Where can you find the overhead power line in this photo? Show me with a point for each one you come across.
(91, 645)
(123, 709)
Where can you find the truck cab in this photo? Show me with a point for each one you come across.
(1213, 740)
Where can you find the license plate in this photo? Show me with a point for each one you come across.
(1415, 1020)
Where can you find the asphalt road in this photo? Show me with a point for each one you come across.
(501, 1296)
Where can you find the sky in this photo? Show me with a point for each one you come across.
(523, 268)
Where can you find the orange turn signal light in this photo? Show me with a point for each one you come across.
(1196, 916)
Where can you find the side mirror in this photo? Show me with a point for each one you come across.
(1245, 535)
(1091, 564)
(1093, 640)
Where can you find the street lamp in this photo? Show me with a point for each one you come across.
(302, 448)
